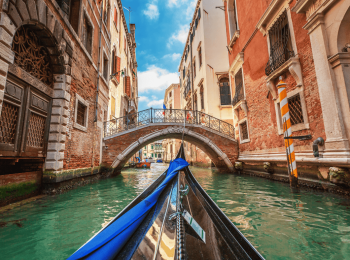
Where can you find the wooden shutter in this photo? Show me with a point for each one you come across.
(116, 17)
(128, 86)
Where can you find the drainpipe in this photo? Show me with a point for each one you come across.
(317, 142)
(98, 65)
(192, 76)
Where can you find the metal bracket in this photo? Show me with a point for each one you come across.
(301, 137)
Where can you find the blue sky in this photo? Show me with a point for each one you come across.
(161, 32)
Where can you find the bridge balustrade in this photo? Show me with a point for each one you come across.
(155, 116)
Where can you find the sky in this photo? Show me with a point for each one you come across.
(161, 33)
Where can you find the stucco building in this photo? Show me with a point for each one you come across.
(54, 89)
(153, 150)
(123, 80)
(305, 42)
(204, 64)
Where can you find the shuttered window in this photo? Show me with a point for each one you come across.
(116, 17)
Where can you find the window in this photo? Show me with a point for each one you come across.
(295, 110)
(152, 148)
(145, 147)
(281, 49)
(232, 15)
(225, 93)
(145, 154)
(200, 56)
(81, 113)
(74, 13)
(112, 107)
(239, 91)
(105, 67)
(202, 97)
(125, 44)
(194, 68)
(170, 94)
(87, 34)
(152, 155)
(195, 107)
(113, 65)
(243, 130)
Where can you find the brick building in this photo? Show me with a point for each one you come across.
(54, 89)
(295, 40)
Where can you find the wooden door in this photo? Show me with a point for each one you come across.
(24, 121)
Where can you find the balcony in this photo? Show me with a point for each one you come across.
(239, 94)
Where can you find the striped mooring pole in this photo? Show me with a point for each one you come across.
(287, 129)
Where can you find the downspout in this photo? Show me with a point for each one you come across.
(98, 66)
(192, 76)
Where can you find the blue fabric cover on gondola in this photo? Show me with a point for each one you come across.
(107, 244)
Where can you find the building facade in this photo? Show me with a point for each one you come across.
(204, 65)
(123, 80)
(290, 39)
(54, 90)
(153, 151)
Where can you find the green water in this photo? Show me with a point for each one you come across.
(281, 224)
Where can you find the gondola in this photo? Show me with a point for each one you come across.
(174, 218)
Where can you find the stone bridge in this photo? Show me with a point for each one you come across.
(127, 135)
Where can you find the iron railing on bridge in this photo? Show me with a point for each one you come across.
(151, 115)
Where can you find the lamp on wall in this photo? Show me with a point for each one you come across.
(346, 48)
(122, 73)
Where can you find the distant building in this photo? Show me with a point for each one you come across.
(204, 64)
(153, 150)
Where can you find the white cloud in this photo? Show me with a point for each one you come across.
(180, 35)
(174, 56)
(156, 103)
(190, 9)
(156, 79)
(152, 11)
(143, 99)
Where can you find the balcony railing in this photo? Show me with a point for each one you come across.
(281, 47)
(239, 95)
(152, 116)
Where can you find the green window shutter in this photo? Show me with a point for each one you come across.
(152, 155)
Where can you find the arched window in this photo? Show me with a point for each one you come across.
(225, 93)
(31, 56)
(232, 16)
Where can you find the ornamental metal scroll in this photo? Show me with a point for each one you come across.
(32, 57)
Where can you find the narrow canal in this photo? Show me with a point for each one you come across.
(281, 224)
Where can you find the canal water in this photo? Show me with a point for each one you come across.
(279, 223)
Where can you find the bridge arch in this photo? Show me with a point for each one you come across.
(222, 150)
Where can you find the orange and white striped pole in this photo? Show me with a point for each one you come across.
(287, 129)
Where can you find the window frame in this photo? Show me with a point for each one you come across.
(105, 57)
(78, 99)
(229, 13)
(242, 141)
(297, 127)
(277, 71)
(88, 18)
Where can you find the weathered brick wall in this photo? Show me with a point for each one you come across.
(118, 144)
(82, 146)
(262, 121)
